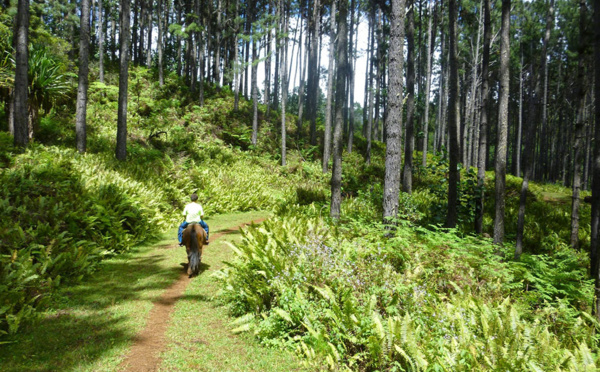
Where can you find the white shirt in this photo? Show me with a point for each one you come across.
(192, 212)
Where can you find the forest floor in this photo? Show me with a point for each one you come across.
(140, 312)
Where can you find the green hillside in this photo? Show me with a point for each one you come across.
(346, 293)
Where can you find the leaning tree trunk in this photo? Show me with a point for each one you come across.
(393, 154)
(454, 175)
(336, 173)
(327, 134)
(121, 150)
(502, 140)
(82, 88)
(21, 135)
(410, 100)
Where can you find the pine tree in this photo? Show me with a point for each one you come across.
(393, 159)
(121, 150)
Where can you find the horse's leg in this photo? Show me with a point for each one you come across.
(189, 269)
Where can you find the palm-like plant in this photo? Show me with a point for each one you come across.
(48, 84)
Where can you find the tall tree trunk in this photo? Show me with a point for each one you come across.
(502, 140)
(278, 55)
(283, 82)
(100, 42)
(481, 157)
(21, 135)
(430, 47)
(236, 64)
(351, 70)
(579, 126)
(454, 153)
(121, 149)
(520, 128)
(142, 20)
(159, 43)
(82, 88)
(149, 42)
(376, 132)
(367, 75)
(529, 150)
(301, 91)
(393, 154)
(438, 135)
(410, 99)
(113, 37)
(179, 46)
(341, 50)
(369, 109)
(595, 222)
(327, 135)
(254, 87)
(134, 32)
(313, 72)
(218, 34)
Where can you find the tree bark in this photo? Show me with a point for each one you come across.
(313, 72)
(595, 222)
(121, 149)
(351, 69)
(481, 158)
(454, 153)
(327, 134)
(430, 47)
(149, 42)
(159, 44)
(520, 128)
(82, 88)
(410, 99)
(254, 89)
(502, 140)
(21, 135)
(100, 42)
(341, 50)
(236, 64)
(581, 87)
(283, 84)
(393, 154)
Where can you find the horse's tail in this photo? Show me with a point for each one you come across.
(194, 252)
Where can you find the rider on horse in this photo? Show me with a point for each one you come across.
(193, 212)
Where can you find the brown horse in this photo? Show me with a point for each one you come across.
(194, 237)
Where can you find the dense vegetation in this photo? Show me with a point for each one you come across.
(343, 289)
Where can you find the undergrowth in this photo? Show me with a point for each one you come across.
(421, 300)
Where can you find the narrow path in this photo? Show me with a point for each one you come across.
(144, 355)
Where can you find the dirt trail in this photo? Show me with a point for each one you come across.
(144, 355)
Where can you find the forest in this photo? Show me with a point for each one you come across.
(393, 185)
